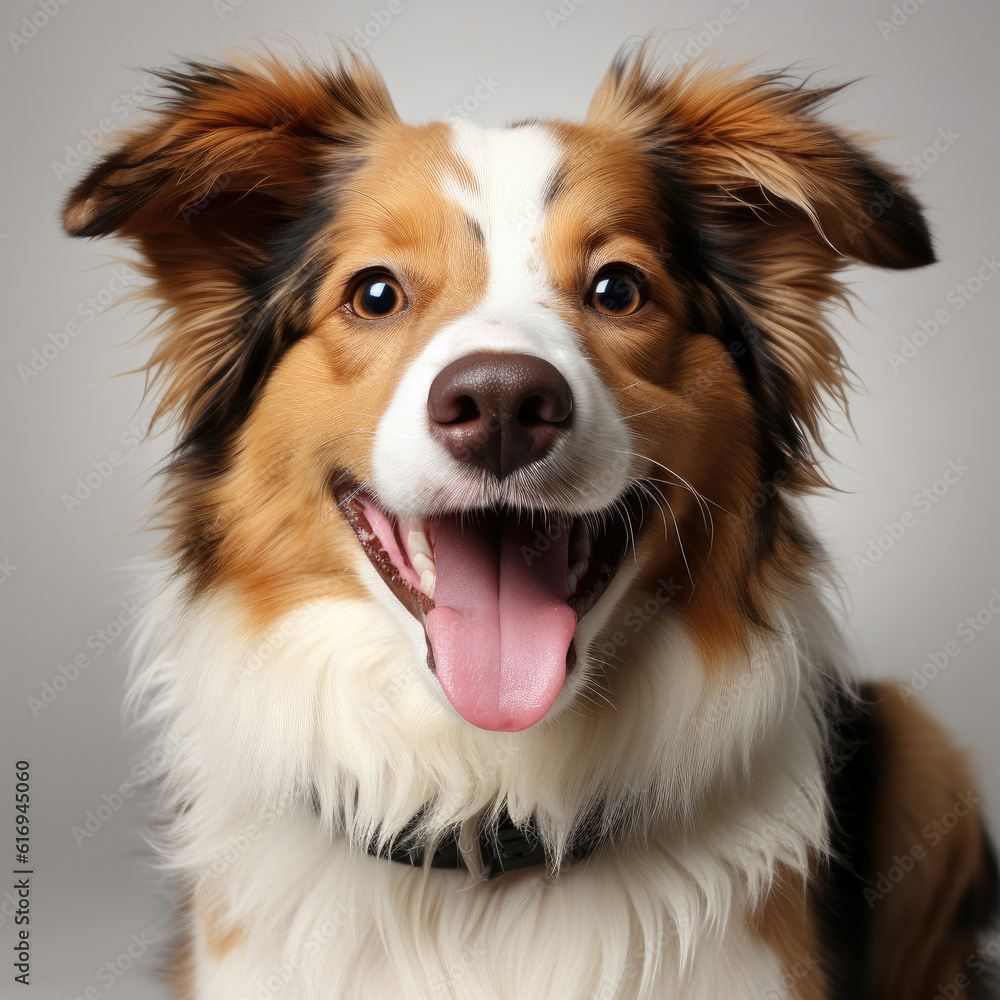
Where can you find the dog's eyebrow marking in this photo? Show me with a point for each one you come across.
(475, 230)
(553, 187)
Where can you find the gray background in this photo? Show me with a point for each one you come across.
(66, 569)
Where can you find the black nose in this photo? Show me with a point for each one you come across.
(499, 411)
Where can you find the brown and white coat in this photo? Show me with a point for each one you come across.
(749, 794)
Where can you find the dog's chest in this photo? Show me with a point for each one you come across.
(359, 929)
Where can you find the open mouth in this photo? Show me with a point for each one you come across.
(499, 594)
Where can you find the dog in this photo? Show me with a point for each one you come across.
(490, 650)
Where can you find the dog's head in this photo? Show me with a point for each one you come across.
(518, 371)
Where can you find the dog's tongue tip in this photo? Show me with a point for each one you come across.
(498, 688)
(501, 627)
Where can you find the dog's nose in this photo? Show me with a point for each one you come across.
(499, 411)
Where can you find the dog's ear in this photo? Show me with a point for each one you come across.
(762, 204)
(736, 141)
(231, 148)
(228, 190)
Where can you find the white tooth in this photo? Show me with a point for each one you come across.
(417, 542)
(421, 563)
(580, 567)
(571, 581)
(428, 578)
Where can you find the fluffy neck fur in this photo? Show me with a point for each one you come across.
(322, 736)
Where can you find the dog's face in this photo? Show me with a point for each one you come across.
(496, 378)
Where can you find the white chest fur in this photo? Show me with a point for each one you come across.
(359, 929)
(283, 750)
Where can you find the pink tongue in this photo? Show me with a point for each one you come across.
(501, 628)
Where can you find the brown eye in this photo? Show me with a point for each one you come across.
(618, 290)
(376, 295)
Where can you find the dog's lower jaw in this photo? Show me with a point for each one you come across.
(662, 913)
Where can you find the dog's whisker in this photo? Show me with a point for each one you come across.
(641, 413)
(514, 696)
(677, 531)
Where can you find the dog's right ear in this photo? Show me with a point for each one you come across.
(228, 191)
(234, 148)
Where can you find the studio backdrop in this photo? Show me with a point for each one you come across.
(912, 532)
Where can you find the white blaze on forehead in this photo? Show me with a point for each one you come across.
(513, 169)
(511, 172)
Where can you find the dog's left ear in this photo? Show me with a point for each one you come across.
(754, 141)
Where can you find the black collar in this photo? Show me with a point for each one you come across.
(501, 848)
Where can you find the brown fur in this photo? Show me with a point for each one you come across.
(923, 779)
(255, 133)
(764, 170)
(786, 922)
(243, 147)
(283, 538)
(177, 966)
(679, 392)
(260, 190)
(214, 928)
